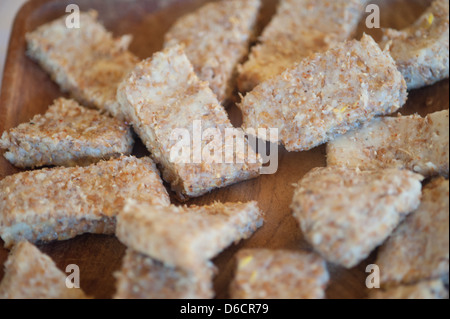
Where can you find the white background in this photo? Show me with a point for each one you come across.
(8, 11)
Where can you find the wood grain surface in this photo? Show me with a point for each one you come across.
(27, 91)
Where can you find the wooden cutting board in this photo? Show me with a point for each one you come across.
(27, 91)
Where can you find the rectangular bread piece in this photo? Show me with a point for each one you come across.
(299, 28)
(410, 142)
(143, 277)
(326, 95)
(419, 247)
(422, 50)
(216, 38)
(87, 61)
(163, 97)
(30, 274)
(186, 237)
(433, 289)
(61, 203)
(66, 135)
(346, 213)
(266, 274)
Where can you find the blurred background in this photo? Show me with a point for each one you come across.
(8, 10)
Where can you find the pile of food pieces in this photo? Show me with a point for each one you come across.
(385, 185)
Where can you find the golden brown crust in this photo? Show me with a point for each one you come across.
(29, 274)
(422, 50)
(142, 277)
(299, 28)
(266, 274)
(87, 62)
(326, 95)
(186, 237)
(346, 213)
(419, 247)
(66, 135)
(410, 142)
(60, 203)
(163, 96)
(216, 38)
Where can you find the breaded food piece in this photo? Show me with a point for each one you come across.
(186, 237)
(267, 274)
(326, 95)
(434, 289)
(66, 135)
(216, 38)
(163, 97)
(30, 274)
(61, 203)
(86, 62)
(143, 277)
(419, 247)
(299, 28)
(411, 142)
(346, 213)
(421, 50)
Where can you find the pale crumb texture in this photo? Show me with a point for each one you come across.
(424, 290)
(186, 237)
(346, 213)
(142, 277)
(421, 50)
(216, 38)
(299, 28)
(86, 62)
(326, 95)
(61, 203)
(419, 247)
(30, 274)
(267, 274)
(410, 142)
(66, 135)
(162, 98)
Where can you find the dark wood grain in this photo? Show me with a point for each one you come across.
(27, 91)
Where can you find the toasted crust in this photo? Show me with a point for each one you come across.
(411, 142)
(326, 95)
(424, 290)
(142, 277)
(216, 38)
(422, 50)
(266, 274)
(186, 237)
(61, 203)
(30, 274)
(419, 248)
(346, 213)
(66, 135)
(87, 62)
(300, 28)
(163, 96)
